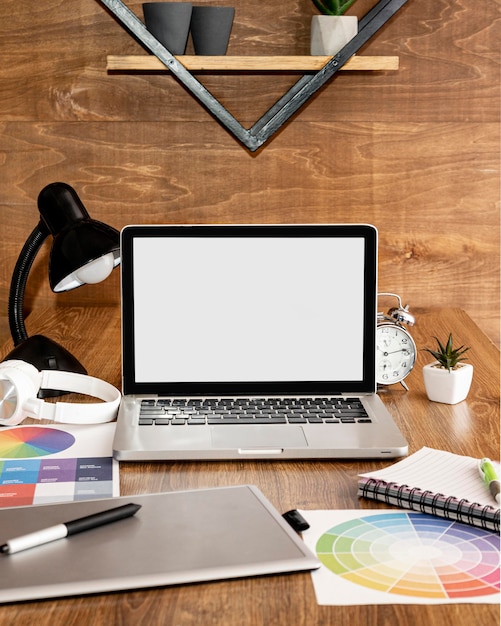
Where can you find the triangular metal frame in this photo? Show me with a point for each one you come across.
(254, 137)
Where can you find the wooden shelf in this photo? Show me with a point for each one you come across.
(249, 63)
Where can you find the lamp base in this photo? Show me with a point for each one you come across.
(46, 354)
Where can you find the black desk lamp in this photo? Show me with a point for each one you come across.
(83, 251)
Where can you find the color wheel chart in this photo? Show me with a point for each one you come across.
(29, 442)
(401, 557)
(45, 464)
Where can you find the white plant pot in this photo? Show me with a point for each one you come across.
(330, 33)
(447, 387)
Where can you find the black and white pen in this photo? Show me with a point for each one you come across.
(60, 531)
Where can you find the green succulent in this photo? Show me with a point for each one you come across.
(333, 7)
(447, 356)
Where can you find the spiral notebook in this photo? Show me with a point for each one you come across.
(435, 482)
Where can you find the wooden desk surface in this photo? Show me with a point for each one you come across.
(471, 427)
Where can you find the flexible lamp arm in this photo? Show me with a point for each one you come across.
(19, 279)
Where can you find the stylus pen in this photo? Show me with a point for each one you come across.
(60, 531)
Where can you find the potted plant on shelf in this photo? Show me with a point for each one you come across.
(332, 30)
(447, 379)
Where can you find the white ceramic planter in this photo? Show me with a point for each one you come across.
(447, 387)
(330, 33)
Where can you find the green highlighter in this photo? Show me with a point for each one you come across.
(490, 477)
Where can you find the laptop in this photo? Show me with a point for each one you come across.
(250, 342)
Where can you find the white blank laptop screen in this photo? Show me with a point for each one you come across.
(224, 309)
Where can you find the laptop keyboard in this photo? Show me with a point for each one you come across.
(191, 411)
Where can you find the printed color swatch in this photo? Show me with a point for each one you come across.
(45, 464)
(33, 441)
(415, 555)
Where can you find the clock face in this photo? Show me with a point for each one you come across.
(395, 354)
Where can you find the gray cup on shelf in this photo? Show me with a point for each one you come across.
(169, 22)
(211, 28)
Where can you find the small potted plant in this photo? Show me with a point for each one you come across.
(448, 378)
(332, 30)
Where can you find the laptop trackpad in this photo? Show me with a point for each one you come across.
(269, 436)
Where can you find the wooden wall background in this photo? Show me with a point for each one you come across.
(415, 152)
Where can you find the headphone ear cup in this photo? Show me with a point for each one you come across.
(19, 381)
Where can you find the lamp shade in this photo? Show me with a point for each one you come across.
(83, 250)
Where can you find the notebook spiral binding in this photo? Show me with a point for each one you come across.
(403, 496)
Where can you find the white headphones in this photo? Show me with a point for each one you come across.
(20, 383)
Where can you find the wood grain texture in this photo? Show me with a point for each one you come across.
(248, 63)
(471, 427)
(416, 152)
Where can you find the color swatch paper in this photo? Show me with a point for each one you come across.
(388, 557)
(33, 441)
(45, 464)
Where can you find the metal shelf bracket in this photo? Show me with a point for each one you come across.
(254, 137)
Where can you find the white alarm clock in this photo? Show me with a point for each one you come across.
(395, 348)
